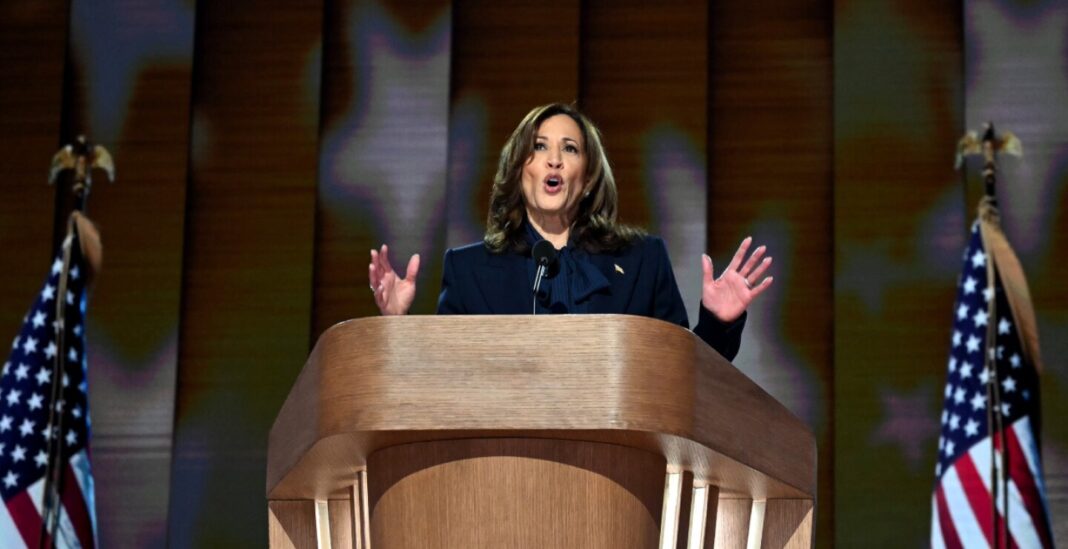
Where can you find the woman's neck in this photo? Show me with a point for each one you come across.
(552, 228)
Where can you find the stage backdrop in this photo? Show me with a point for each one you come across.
(263, 147)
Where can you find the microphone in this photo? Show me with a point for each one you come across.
(544, 256)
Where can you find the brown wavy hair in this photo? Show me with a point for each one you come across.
(595, 228)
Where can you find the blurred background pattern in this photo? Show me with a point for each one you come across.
(263, 147)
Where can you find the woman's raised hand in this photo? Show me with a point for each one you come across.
(728, 296)
(393, 295)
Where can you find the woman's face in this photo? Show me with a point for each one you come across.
(554, 176)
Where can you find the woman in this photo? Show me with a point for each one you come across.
(554, 183)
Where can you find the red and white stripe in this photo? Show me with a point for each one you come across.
(20, 519)
(962, 512)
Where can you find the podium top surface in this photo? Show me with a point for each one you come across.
(376, 382)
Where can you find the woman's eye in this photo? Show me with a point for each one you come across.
(571, 149)
(539, 146)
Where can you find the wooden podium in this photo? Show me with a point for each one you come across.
(533, 431)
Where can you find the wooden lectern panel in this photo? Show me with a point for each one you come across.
(515, 493)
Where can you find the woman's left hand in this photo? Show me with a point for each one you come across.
(728, 296)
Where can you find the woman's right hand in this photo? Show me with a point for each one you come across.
(393, 295)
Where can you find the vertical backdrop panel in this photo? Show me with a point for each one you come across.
(644, 82)
(128, 90)
(33, 40)
(503, 65)
(899, 231)
(382, 162)
(770, 155)
(1029, 100)
(247, 282)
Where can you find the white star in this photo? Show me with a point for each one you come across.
(57, 266)
(966, 371)
(78, 330)
(11, 479)
(1009, 384)
(958, 395)
(978, 402)
(50, 351)
(18, 454)
(941, 443)
(29, 346)
(13, 397)
(49, 433)
(949, 389)
(70, 297)
(7, 366)
(38, 319)
(48, 293)
(66, 381)
(945, 417)
(26, 428)
(20, 372)
(72, 355)
(984, 376)
(1003, 326)
(1005, 408)
(15, 344)
(74, 273)
(980, 318)
(72, 437)
(41, 459)
(938, 469)
(978, 259)
(988, 294)
(949, 448)
(76, 411)
(962, 312)
(1001, 352)
(952, 364)
(956, 338)
(35, 401)
(1015, 360)
(954, 422)
(969, 285)
(971, 428)
(43, 376)
(973, 344)
(5, 424)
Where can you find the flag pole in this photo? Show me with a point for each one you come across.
(988, 214)
(54, 428)
(81, 158)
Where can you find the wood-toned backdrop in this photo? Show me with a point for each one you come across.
(264, 147)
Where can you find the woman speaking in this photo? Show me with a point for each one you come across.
(554, 183)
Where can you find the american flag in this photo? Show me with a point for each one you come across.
(26, 405)
(989, 489)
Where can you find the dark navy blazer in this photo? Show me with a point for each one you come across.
(477, 281)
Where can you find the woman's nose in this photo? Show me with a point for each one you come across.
(555, 160)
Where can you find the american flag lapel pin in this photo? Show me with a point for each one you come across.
(619, 269)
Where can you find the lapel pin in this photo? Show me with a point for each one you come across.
(619, 269)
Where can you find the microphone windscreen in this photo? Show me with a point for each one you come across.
(544, 253)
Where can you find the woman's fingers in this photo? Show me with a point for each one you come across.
(739, 255)
(754, 276)
(764, 285)
(413, 269)
(752, 262)
(383, 260)
(707, 269)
